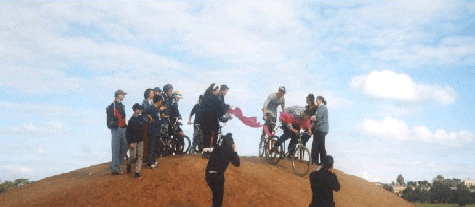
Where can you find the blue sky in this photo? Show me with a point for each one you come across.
(397, 76)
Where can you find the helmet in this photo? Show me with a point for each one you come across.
(177, 94)
(282, 89)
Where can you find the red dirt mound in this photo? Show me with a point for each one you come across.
(179, 181)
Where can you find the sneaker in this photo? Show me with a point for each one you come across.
(157, 162)
(152, 166)
(129, 168)
(137, 175)
(117, 173)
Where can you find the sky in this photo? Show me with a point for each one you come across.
(397, 76)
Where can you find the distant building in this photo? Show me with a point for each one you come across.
(398, 188)
(469, 182)
(377, 183)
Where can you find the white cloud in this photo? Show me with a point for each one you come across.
(387, 84)
(370, 178)
(49, 128)
(17, 169)
(389, 128)
(450, 51)
(394, 129)
(443, 95)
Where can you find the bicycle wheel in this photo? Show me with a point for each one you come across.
(301, 160)
(186, 145)
(274, 153)
(181, 147)
(262, 147)
(165, 147)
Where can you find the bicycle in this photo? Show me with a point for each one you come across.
(197, 143)
(267, 140)
(225, 118)
(170, 143)
(301, 158)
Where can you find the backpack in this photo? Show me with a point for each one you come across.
(111, 121)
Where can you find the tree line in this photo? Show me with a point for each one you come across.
(7, 185)
(440, 191)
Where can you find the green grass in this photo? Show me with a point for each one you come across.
(440, 205)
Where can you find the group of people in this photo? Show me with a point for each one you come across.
(151, 120)
(160, 108)
(210, 110)
(313, 118)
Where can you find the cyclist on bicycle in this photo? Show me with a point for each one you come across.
(171, 101)
(270, 108)
(293, 119)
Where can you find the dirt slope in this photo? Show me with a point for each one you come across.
(179, 181)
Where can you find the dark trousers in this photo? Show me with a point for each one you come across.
(216, 183)
(153, 143)
(208, 132)
(209, 126)
(318, 146)
(293, 141)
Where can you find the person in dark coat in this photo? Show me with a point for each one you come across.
(155, 122)
(323, 182)
(212, 110)
(135, 136)
(198, 112)
(223, 90)
(218, 162)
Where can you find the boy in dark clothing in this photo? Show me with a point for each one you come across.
(134, 135)
(153, 114)
(222, 92)
(198, 133)
(323, 182)
(217, 164)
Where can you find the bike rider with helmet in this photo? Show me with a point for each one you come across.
(293, 119)
(171, 102)
(270, 108)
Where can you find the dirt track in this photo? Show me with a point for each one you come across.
(179, 181)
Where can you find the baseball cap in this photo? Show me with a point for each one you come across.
(282, 89)
(224, 87)
(177, 94)
(120, 92)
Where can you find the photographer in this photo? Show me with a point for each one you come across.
(323, 182)
(217, 164)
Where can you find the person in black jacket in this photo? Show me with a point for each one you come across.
(134, 135)
(222, 92)
(212, 110)
(154, 114)
(198, 112)
(323, 182)
(217, 165)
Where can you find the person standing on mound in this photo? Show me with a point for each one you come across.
(217, 164)
(323, 182)
(134, 135)
(116, 123)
